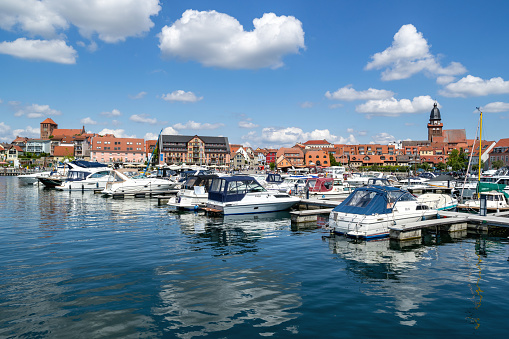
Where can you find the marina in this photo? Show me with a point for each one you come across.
(80, 261)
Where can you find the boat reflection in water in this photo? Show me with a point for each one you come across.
(230, 289)
(387, 271)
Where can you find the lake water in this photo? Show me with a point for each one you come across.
(80, 265)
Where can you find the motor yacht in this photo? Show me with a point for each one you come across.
(121, 183)
(96, 179)
(494, 201)
(369, 211)
(77, 170)
(193, 194)
(244, 195)
(328, 188)
(361, 179)
(438, 201)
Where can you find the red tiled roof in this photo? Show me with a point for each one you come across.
(317, 142)
(49, 121)
(503, 143)
(455, 136)
(62, 151)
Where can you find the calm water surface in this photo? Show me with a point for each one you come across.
(81, 265)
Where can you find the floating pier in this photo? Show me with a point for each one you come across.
(449, 222)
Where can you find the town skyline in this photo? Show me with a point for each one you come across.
(292, 71)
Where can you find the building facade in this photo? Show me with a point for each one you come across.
(194, 150)
(109, 149)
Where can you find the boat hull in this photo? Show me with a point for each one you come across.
(251, 206)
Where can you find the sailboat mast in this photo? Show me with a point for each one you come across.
(480, 142)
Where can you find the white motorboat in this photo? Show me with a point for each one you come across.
(72, 171)
(121, 183)
(494, 201)
(293, 184)
(369, 211)
(361, 179)
(193, 194)
(438, 201)
(95, 180)
(328, 188)
(32, 178)
(244, 195)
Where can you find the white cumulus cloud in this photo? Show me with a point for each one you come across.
(36, 111)
(409, 54)
(219, 40)
(383, 138)
(29, 132)
(348, 93)
(247, 124)
(143, 118)
(41, 50)
(32, 16)
(119, 133)
(471, 86)
(197, 126)
(393, 107)
(495, 107)
(182, 96)
(113, 113)
(88, 121)
(112, 20)
(138, 96)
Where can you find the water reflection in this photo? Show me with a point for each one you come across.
(232, 288)
(386, 270)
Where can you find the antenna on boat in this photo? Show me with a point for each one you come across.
(480, 148)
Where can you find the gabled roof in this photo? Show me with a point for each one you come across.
(503, 143)
(454, 136)
(317, 142)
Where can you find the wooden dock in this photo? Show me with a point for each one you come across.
(450, 222)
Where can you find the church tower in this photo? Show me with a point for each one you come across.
(47, 127)
(435, 123)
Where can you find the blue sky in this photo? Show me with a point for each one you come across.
(262, 73)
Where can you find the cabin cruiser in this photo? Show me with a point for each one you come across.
(95, 180)
(369, 211)
(494, 201)
(32, 178)
(122, 183)
(77, 170)
(328, 188)
(244, 195)
(272, 181)
(361, 179)
(293, 184)
(438, 201)
(193, 194)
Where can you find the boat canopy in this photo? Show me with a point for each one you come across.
(320, 184)
(274, 178)
(199, 180)
(370, 200)
(227, 189)
(488, 187)
(88, 164)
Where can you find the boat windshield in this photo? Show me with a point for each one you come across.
(244, 186)
(361, 198)
(99, 174)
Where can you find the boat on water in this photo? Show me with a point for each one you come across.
(361, 179)
(494, 201)
(369, 211)
(76, 170)
(96, 179)
(122, 183)
(328, 188)
(32, 178)
(438, 201)
(244, 195)
(193, 194)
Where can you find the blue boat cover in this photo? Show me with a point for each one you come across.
(88, 164)
(370, 200)
(234, 188)
(274, 178)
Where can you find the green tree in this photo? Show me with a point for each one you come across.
(332, 160)
(441, 166)
(457, 160)
(425, 166)
(272, 166)
(497, 164)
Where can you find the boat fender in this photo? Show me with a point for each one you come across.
(195, 207)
